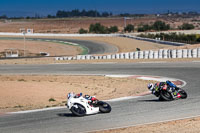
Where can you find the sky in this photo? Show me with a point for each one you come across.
(44, 7)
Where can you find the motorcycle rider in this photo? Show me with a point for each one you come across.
(92, 100)
(155, 87)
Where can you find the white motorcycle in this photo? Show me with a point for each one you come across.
(81, 106)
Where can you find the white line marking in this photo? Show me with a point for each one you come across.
(153, 62)
(104, 63)
(196, 61)
(122, 98)
(36, 110)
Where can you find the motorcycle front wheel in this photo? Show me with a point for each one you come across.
(182, 93)
(104, 107)
(78, 110)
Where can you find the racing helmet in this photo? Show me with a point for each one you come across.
(71, 94)
(150, 86)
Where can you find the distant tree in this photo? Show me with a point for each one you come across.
(82, 31)
(28, 17)
(105, 14)
(129, 28)
(3, 17)
(186, 26)
(160, 26)
(113, 29)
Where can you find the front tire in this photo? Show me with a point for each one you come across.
(78, 110)
(104, 107)
(182, 93)
(166, 96)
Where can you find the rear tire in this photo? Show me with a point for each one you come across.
(104, 107)
(78, 110)
(166, 96)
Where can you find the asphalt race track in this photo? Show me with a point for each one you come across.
(146, 109)
(93, 47)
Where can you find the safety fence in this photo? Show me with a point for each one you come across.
(148, 54)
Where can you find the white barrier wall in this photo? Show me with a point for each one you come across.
(146, 54)
(159, 54)
(198, 52)
(189, 53)
(174, 54)
(165, 54)
(155, 54)
(132, 55)
(179, 53)
(185, 53)
(141, 55)
(194, 53)
(151, 53)
(127, 56)
(136, 55)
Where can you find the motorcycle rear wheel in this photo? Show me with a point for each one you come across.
(78, 110)
(166, 96)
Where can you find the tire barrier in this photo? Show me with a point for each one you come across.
(198, 52)
(159, 54)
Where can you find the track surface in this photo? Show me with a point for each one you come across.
(142, 110)
(93, 47)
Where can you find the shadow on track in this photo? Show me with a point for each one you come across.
(66, 115)
(152, 100)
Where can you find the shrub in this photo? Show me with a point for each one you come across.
(82, 31)
(129, 28)
(159, 26)
(98, 28)
(144, 28)
(186, 26)
(52, 100)
(113, 29)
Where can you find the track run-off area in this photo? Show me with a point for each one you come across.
(128, 112)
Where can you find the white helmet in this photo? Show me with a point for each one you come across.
(150, 86)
